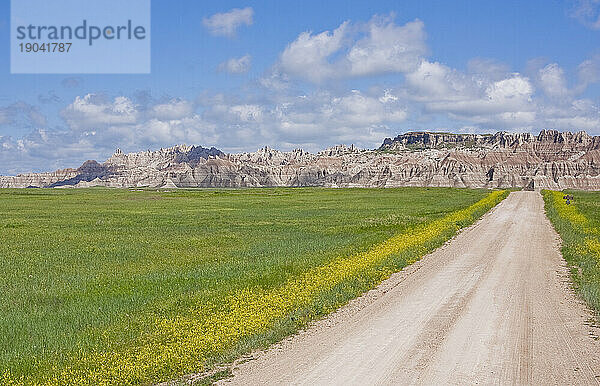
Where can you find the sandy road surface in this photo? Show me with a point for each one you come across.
(493, 306)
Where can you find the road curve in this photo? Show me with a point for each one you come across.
(492, 306)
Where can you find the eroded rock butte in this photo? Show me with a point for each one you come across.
(551, 159)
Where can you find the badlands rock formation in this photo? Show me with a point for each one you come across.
(551, 160)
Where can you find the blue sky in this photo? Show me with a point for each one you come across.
(241, 75)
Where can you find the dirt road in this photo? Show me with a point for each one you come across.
(493, 306)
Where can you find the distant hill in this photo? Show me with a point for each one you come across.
(551, 159)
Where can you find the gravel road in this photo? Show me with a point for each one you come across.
(492, 306)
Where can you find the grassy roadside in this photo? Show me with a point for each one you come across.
(121, 287)
(579, 227)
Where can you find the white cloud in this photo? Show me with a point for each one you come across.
(433, 81)
(227, 23)
(486, 68)
(122, 123)
(587, 12)
(321, 91)
(474, 98)
(307, 56)
(236, 65)
(174, 109)
(324, 120)
(314, 120)
(487, 93)
(192, 130)
(247, 113)
(358, 110)
(388, 48)
(46, 150)
(388, 97)
(94, 111)
(275, 80)
(553, 82)
(354, 50)
(576, 115)
(588, 72)
(513, 91)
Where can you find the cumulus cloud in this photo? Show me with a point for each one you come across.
(230, 122)
(496, 98)
(172, 110)
(562, 86)
(313, 120)
(509, 103)
(487, 93)
(580, 114)
(227, 23)
(354, 50)
(247, 112)
(45, 150)
(236, 65)
(388, 48)
(553, 81)
(155, 132)
(487, 68)
(95, 126)
(433, 81)
(588, 72)
(275, 80)
(94, 111)
(307, 56)
(123, 123)
(322, 90)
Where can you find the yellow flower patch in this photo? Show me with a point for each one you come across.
(183, 344)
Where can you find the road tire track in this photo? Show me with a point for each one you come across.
(490, 306)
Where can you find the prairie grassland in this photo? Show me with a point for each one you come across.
(103, 286)
(579, 227)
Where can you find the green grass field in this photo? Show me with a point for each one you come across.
(104, 282)
(579, 227)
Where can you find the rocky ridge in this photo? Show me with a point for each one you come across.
(551, 159)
